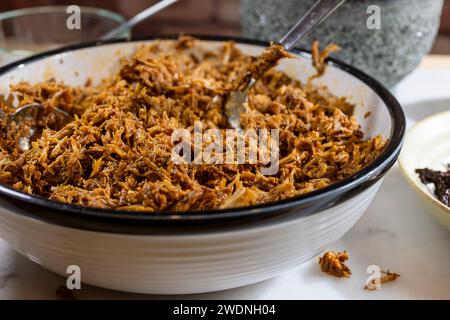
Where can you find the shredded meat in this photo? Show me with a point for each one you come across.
(319, 57)
(264, 62)
(333, 264)
(116, 153)
(387, 277)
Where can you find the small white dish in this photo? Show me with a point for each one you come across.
(427, 145)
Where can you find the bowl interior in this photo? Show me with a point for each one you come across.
(375, 109)
(95, 63)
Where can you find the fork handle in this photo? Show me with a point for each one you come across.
(141, 16)
(315, 15)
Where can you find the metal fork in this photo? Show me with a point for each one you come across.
(234, 105)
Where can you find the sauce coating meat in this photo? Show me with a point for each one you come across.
(116, 153)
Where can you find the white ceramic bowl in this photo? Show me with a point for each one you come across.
(194, 252)
(427, 145)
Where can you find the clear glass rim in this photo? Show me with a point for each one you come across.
(61, 9)
(98, 12)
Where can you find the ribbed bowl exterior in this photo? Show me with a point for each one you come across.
(181, 263)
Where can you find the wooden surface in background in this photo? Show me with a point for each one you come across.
(445, 20)
(436, 62)
(193, 16)
(188, 16)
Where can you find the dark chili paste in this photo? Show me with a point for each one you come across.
(441, 181)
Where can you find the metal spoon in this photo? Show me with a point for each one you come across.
(31, 112)
(141, 16)
(234, 105)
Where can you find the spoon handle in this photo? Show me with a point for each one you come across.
(138, 18)
(320, 10)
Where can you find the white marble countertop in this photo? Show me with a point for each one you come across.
(395, 233)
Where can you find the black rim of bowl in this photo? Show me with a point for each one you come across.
(124, 220)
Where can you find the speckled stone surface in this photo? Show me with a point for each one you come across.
(408, 30)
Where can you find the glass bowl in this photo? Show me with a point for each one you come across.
(28, 31)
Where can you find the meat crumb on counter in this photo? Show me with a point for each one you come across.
(387, 277)
(333, 264)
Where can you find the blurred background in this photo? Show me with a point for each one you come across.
(409, 29)
(195, 16)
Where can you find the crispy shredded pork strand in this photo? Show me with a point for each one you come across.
(333, 264)
(261, 64)
(387, 277)
(319, 57)
(116, 153)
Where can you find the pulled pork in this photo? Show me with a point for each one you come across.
(387, 277)
(319, 57)
(333, 264)
(116, 153)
